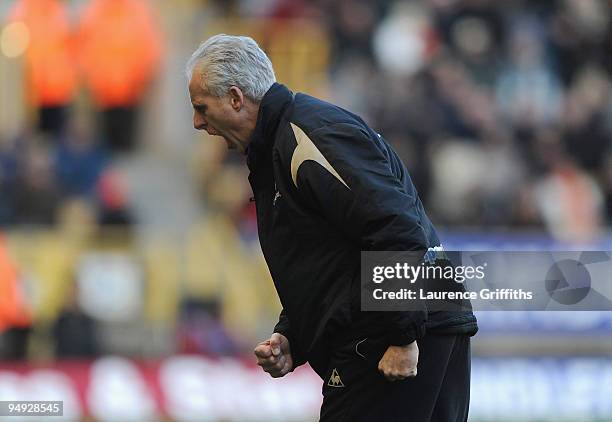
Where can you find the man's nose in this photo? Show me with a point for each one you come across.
(199, 123)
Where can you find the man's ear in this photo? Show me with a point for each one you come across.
(236, 98)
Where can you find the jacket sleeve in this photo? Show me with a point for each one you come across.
(284, 327)
(347, 177)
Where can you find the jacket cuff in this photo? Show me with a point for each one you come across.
(405, 336)
(298, 360)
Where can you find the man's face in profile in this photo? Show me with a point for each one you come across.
(215, 115)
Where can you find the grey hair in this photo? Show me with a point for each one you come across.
(227, 60)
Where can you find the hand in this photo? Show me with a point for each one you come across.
(274, 355)
(400, 362)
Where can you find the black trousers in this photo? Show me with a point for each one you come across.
(53, 120)
(119, 127)
(355, 391)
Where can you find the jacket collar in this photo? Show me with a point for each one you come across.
(272, 107)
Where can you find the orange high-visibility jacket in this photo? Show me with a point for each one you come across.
(119, 45)
(13, 309)
(50, 60)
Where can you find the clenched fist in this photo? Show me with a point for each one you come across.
(400, 362)
(274, 355)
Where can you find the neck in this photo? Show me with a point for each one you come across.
(251, 111)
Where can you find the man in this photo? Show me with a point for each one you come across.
(119, 44)
(327, 187)
(50, 88)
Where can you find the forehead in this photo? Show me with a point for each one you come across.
(195, 84)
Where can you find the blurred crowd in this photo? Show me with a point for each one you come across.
(109, 52)
(501, 110)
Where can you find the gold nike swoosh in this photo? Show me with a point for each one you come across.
(307, 150)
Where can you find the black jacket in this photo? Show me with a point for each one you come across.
(326, 187)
